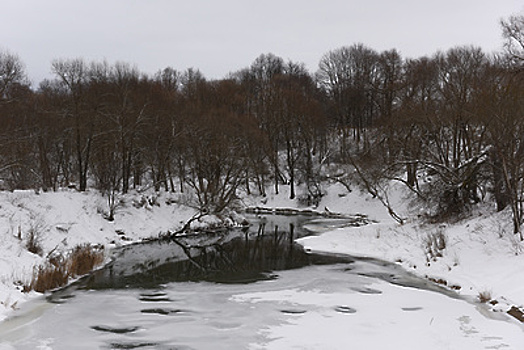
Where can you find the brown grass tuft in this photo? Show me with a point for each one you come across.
(48, 277)
(484, 296)
(58, 269)
(83, 259)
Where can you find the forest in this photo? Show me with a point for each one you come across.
(450, 126)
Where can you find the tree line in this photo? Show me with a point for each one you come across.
(450, 126)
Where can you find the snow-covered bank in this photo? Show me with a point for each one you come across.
(475, 260)
(480, 255)
(61, 220)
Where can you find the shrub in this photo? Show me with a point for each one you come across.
(33, 235)
(434, 244)
(33, 242)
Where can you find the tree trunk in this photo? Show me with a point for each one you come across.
(500, 193)
(47, 181)
(291, 166)
(412, 174)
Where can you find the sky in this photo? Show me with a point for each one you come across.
(219, 37)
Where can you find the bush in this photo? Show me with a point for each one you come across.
(484, 296)
(33, 242)
(33, 235)
(434, 244)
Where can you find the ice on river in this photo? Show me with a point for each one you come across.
(315, 307)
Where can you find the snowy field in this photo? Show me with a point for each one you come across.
(480, 256)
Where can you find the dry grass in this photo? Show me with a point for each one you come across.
(34, 233)
(83, 259)
(484, 296)
(33, 242)
(48, 277)
(59, 269)
(434, 245)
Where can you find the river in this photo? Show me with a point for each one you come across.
(252, 289)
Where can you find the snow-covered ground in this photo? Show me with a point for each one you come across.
(480, 255)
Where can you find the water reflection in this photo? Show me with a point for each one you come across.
(241, 256)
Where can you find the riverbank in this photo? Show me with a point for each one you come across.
(477, 257)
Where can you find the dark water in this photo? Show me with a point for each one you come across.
(245, 255)
(240, 256)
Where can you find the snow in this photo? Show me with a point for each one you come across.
(330, 309)
(379, 322)
(481, 255)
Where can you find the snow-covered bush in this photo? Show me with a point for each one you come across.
(434, 244)
(33, 236)
(33, 242)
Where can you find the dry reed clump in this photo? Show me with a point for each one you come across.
(48, 277)
(484, 296)
(33, 242)
(83, 259)
(434, 245)
(59, 269)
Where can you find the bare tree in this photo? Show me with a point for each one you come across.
(513, 33)
(73, 75)
(500, 106)
(347, 75)
(127, 112)
(389, 81)
(454, 143)
(17, 167)
(12, 73)
(262, 101)
(418, 105)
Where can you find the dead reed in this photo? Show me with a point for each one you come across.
(58, 270)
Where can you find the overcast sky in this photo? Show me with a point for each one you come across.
(221, 36)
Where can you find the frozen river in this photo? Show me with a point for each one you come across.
(253, 289)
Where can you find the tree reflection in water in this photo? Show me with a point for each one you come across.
(241, 256)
